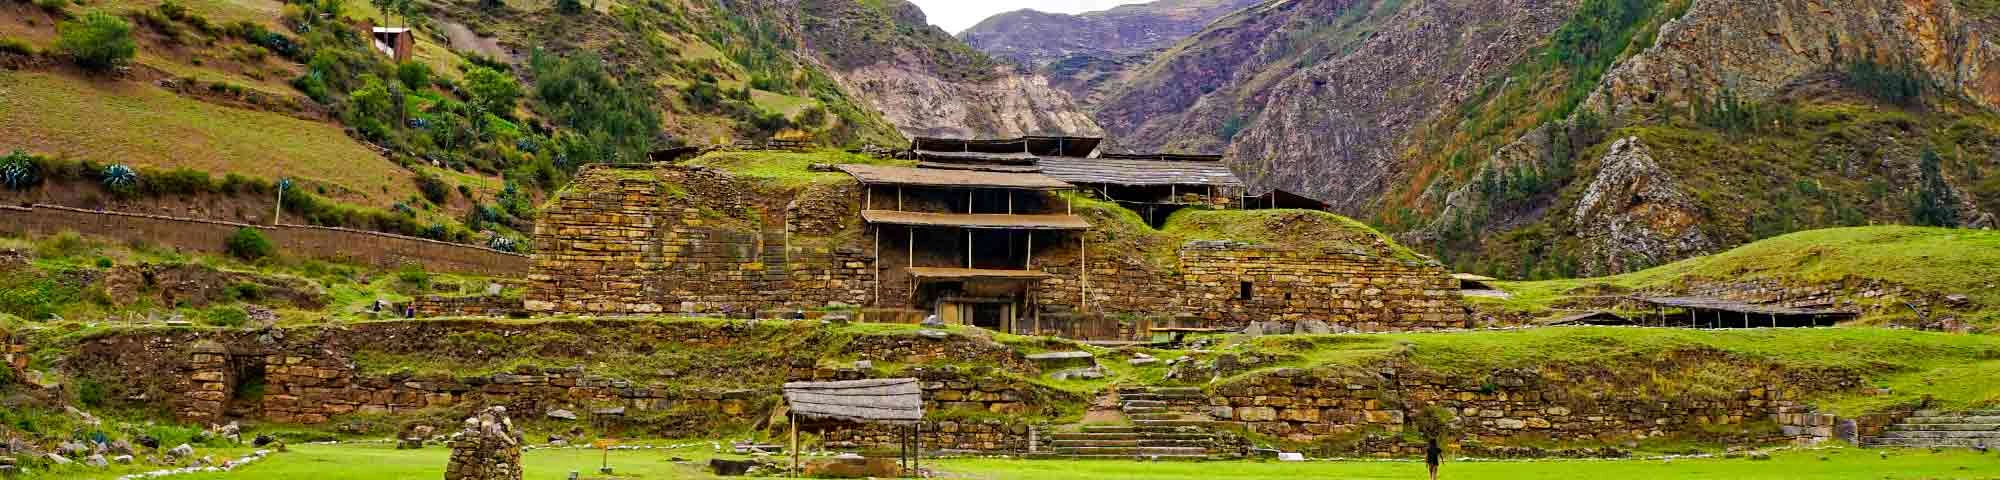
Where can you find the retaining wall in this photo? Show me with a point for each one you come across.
(370, 248)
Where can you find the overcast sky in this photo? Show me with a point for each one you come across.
(957, 15)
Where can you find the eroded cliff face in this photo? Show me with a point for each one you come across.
(927, 83)
(1757, 48)
(1090, 54)
(1331, 130)
(1635, 214)
(1008, 105)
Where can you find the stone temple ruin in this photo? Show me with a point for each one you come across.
(976, 232)
(488, 448)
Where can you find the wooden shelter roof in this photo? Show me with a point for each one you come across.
(897, 401)
(1163, 157)
(1013, 158)
(1046, 146)
(941, 273)
(1712, 303)
(1001, 221)
(949, 178)
(1140, 172)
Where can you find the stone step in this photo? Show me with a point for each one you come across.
(1128, 409)
(1132, 451)
(1943, 413)
(1953, 419)
(1163, 458)
(1173, 423)
(1202, 443)
(1129, 403)
(1170, 390)
(1989, 435)
(1164, 416)
(1916, 427)
(1135, 437)
(1142, 428)
(1926, 442)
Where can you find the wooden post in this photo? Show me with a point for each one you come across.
(968, 200)
(877, 260)
(867, 197)
(795, 442)
(968, 248)
(1083, 272)
(899, 198)
(1031, 250)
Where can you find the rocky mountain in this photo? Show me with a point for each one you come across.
(1087, 54)
(928, 83)
(1536, 138)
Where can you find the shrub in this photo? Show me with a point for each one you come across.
(492, 90)
(17, 47)
(414, 276)
(415, 76)
(246, 291)
(18, 171)
(226, 317)
(249, 244)
(98, 41)
(434, 188)
(52, 6)
(104, 262)
(89, 392)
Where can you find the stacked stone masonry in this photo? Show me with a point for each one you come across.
(690, 240)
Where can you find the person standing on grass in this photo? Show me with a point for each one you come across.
(1431, 453)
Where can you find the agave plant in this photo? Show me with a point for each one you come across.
(501, 243)
(17, 171)
(119, 177)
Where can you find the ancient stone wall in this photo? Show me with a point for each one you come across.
(1241, 283)
(684, 240)
(1310, 406)
(487, 448)
(466, 306)
(692, 240)
(364, 247)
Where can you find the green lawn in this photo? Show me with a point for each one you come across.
(379, 461)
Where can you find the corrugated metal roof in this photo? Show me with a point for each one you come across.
(1711, 303)
(938, 273)
(1139, 172)
(977, 220)
(935, 177)
(886, 400)
(1017, 158)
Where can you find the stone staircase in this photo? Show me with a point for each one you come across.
(1167, 424)
(1931, 428)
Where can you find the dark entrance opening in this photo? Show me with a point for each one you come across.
(1245, 291)
(988, 315)
(246, 394)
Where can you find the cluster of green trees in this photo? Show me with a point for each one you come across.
(1896, 84)
(1728, 113)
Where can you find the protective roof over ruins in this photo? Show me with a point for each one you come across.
(977, 220)
(884, 400)
(1040, 146)
(938, 177)
(1129, 171)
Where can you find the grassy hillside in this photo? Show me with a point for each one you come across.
(111, 121)
(1936, 260)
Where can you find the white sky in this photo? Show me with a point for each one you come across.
(957, 15)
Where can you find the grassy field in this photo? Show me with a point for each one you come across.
(379, 461)
(787, 169)
(123, 122)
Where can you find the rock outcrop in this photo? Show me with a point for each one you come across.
(1089, 54)
(1636, 213)
(927, 83)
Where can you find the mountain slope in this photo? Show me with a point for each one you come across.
(926, 82)
(1091, 53)
(1538, 138)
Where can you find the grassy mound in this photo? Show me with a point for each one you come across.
(1911, 365)
(787, 169)
(1295, 228)
(1939, 260)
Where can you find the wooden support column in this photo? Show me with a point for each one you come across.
(877, 260)
(1083, 272)
(968, 248)
(899, 198)
(795, 442)
(1031, 250)
(867, 197)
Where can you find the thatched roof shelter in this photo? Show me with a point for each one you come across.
(895, 401)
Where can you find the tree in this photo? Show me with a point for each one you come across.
(493, 91)
(405, 8)
(1936, 204)
(610, 120)
(248, 244)
(415, 76)
(98, 41)
(569, 7)
(383, 6)
(18, 171)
